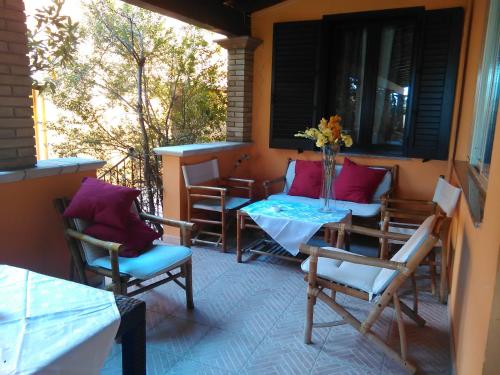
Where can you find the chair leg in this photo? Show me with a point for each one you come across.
(443, 285)
(223, 232)
(311, 301)
(432, 271)
(415, 292)
(188, 272)
(401, 327)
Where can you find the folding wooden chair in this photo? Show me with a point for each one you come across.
(368, 279)
(208, 192)
(405, 215)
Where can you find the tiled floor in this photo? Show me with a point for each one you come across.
(249, 317)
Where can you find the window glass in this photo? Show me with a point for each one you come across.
(393, 82)
(487, 95)
(348, 79)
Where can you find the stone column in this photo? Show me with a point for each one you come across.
(239, 86)
(17, 142)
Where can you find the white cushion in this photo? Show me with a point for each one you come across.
(354, 275)
(372, 280)
(407, 251)
(407, 231)
(160, 259)
(383, 187)
(231, 203)
(358, 209)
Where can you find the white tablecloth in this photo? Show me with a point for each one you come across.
(53, 326)
(291, 223)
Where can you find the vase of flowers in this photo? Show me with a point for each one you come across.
(329, 137)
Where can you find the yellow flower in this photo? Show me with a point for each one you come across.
(321, 140)
(347, 140)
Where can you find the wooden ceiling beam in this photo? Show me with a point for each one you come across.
(250, 6)
(209, 14)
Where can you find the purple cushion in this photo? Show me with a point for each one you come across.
(99, 202)
(357, 183)
(135, 238)
(308, 179)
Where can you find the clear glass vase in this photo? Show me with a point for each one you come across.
(329, 152)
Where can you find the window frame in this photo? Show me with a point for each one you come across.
(486, 107)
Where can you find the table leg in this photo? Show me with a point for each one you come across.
(238, 236)
(134, 350)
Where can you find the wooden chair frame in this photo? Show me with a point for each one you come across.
(411, 213)
(317, 286)
(120, 282)
(217, 193)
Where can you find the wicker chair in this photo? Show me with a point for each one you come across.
(367, 278)
(405, 215)
(207, 192)
(101, 257)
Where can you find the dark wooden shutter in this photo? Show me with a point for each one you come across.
(435, 84)
(295, 66)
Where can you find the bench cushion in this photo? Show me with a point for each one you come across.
(358, 209)
(382, 188)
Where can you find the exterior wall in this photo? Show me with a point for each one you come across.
(417, 179)
(17, 142)
(31, 229)
(475, 251)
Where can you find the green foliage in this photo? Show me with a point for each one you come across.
(182, 85)
(52, 43)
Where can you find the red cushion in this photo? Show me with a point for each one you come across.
(357, 183)
(308, 179)
(103, 203)
(135, 238)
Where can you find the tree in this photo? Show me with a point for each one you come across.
(139, 84)
(52, 42)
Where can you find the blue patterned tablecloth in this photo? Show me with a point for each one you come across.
(291, 223)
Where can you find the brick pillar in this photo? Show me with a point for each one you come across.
(17, 142)
(239, 86)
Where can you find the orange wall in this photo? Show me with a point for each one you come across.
(31, 231)
(475, 249)
(416, 179)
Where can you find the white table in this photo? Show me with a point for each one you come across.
(53, 326)
(288, 223)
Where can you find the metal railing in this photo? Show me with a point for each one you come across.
(129, 171)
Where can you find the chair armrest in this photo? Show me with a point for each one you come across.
(315, 251)
(242, 181)
(368, 231)
(248, 181)
(110, 246)
(396, 213)
(222, 191)
(267, 183)
(185, 226)
(170, 222)
(410, 201)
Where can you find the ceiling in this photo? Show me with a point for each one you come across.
(229, 17)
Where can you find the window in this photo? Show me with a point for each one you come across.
(487, 95)
(371, 73)
(389, 74)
